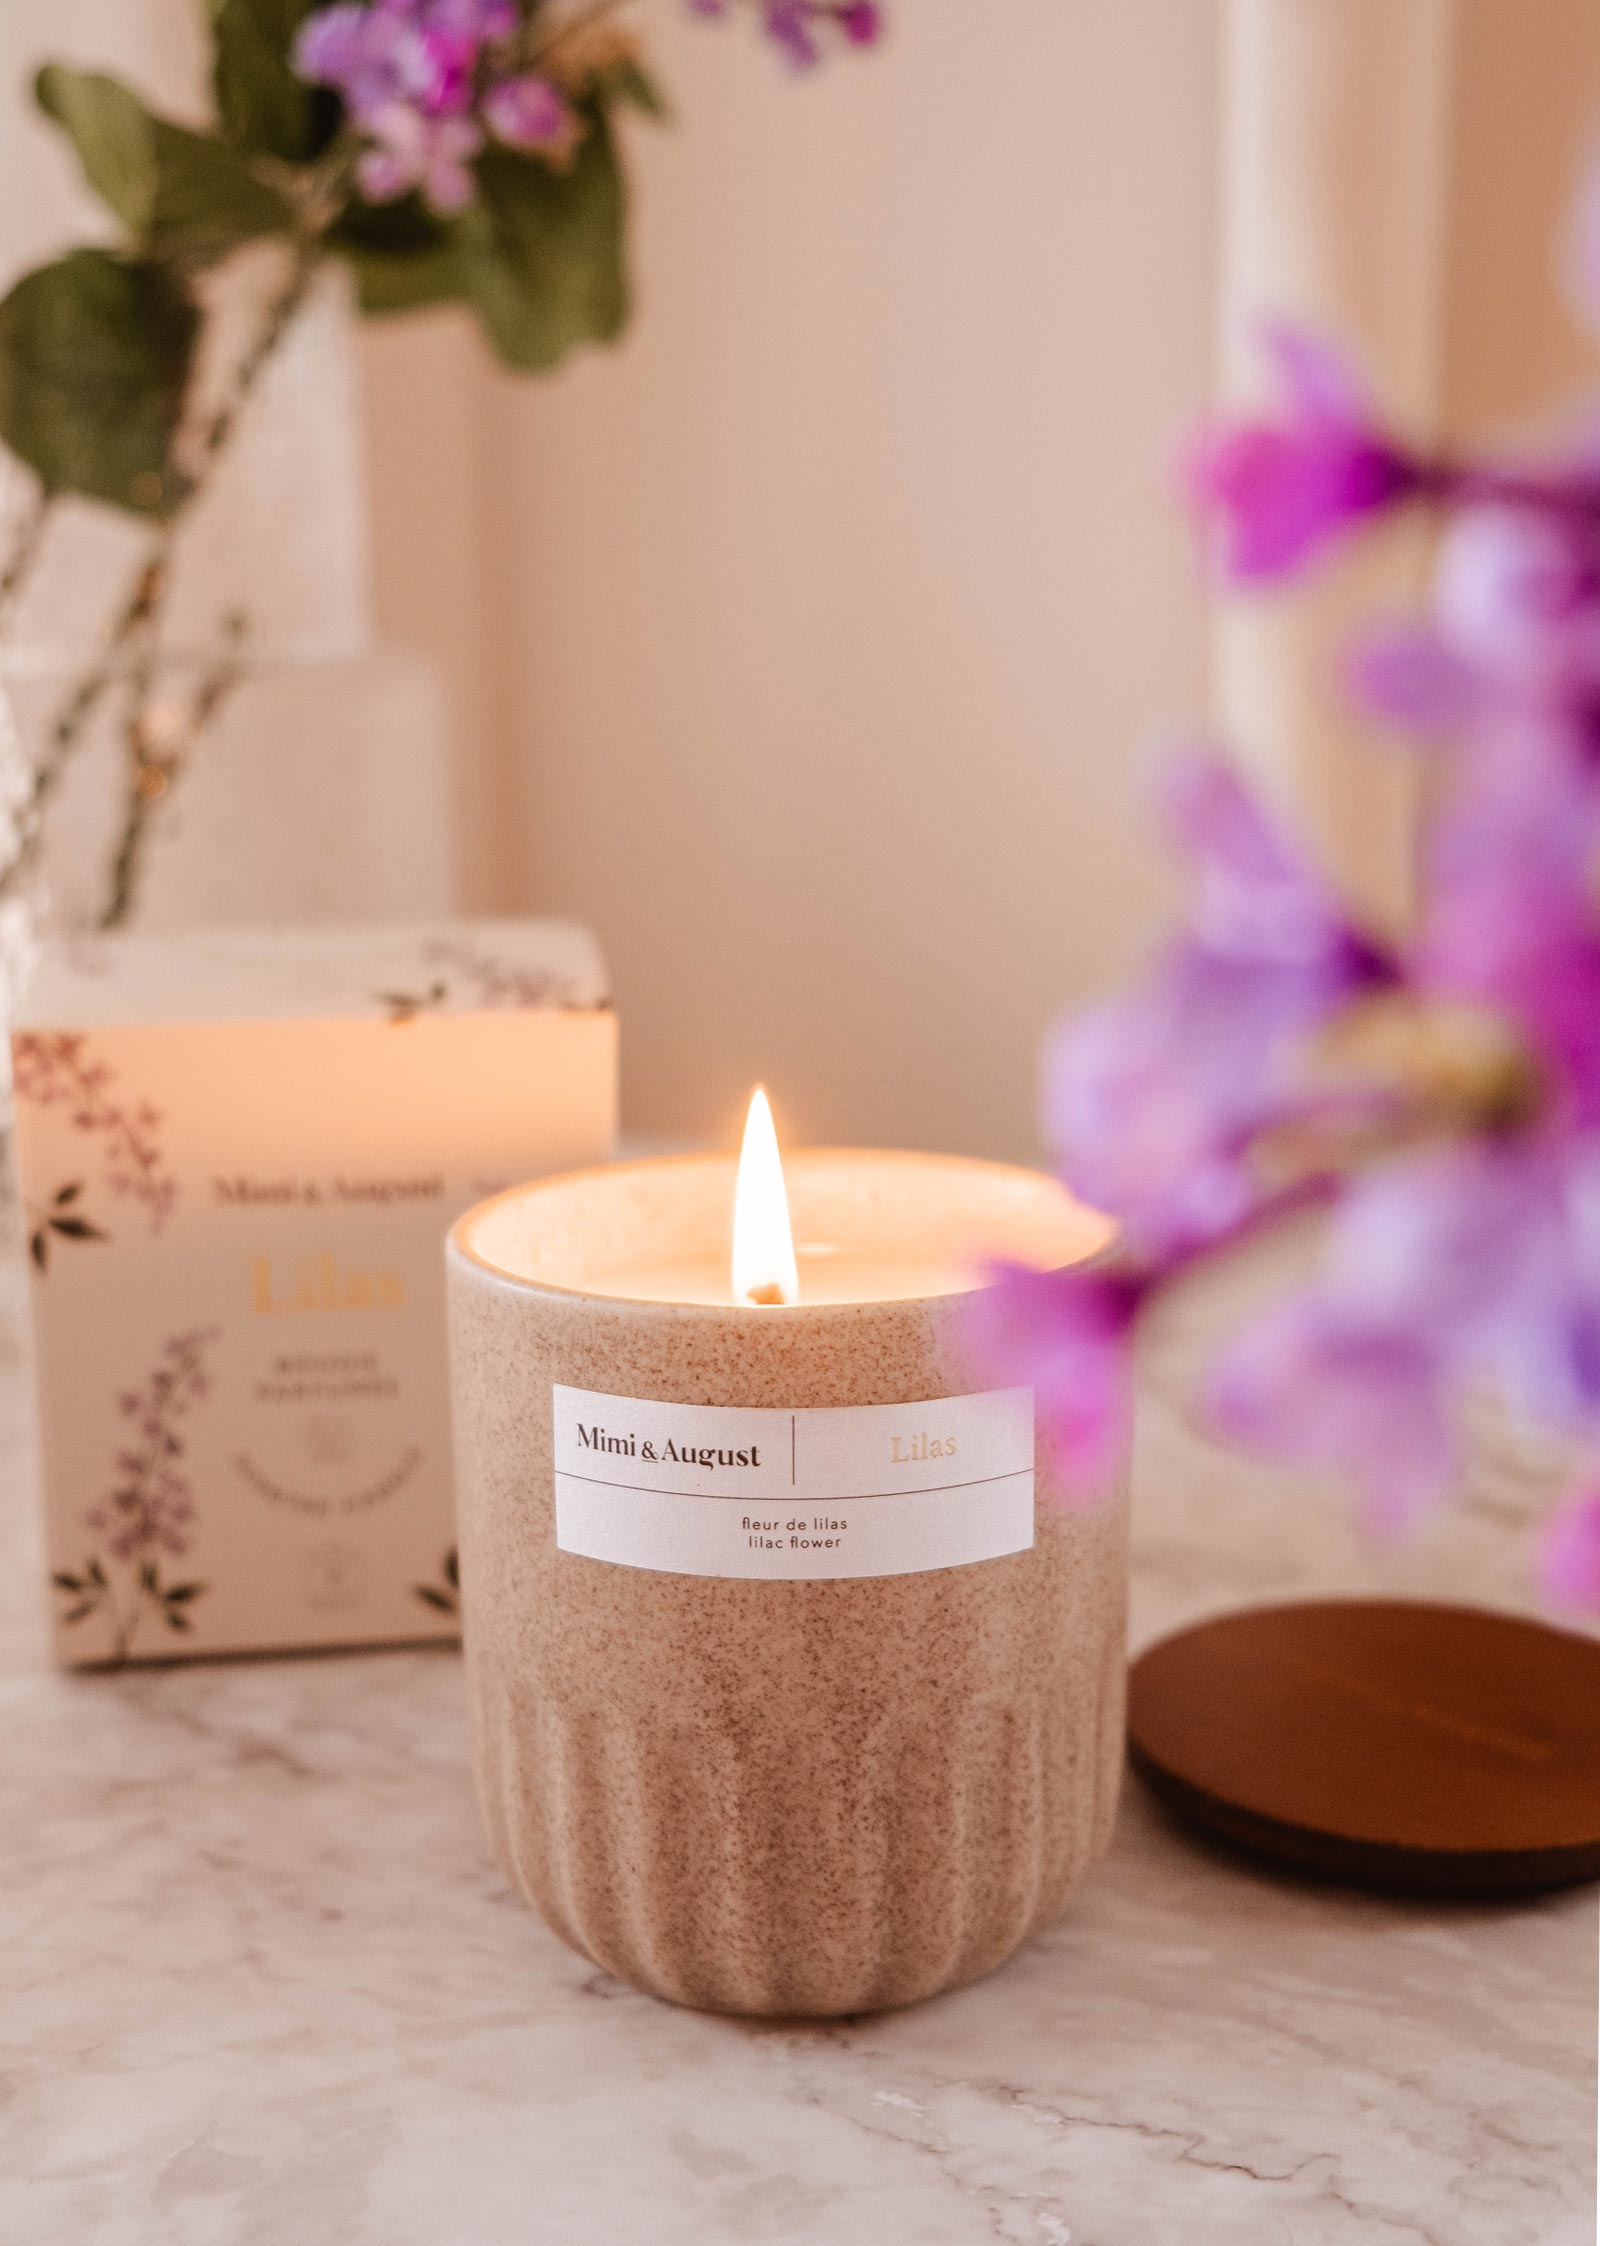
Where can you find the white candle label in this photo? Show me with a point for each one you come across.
(794, 1496)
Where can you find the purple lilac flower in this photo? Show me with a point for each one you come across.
(482, 21)
(412, 150)
(1067, 1335)
(1509, 921)
(412, 74)
(529, 112)
(423, 53)
(797, 27)
(1282, 489)
(1440, 1268)
(452, 65)
(791, 28)
(1153, 1100)
(374, 57)
(861, 22)
(1463, 1248)
(1355, 1396)
(1514, 638)
(1479, 1262)
(1410, 676)
(1570, 1569)
(1517, 594)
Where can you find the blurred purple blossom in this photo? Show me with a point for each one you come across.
(428, 81)
(1449, 1267)
(1517, 593)
(1437, 1096)
(1066, 1335)
(1509, 922)
(1571, 1560)
(410, 150)
(530, 112)
(418, 78)
(1281, 488)
(1153, 1100)
(1444, 1271)
(798, 28)
(374, 57)
(861, 21)
(1321, 1388)
(482, 21)
(1513, 642)
(791, 28)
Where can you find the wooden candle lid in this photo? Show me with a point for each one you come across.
(1438, 1749)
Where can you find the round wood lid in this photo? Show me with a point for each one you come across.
(1439, 1749)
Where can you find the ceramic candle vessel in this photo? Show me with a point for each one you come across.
(825, 1792)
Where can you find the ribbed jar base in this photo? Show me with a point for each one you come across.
(803, 1849)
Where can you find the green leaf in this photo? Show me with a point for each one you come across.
(263, 106)
(403, 258)
(409, 281)
(95, 353)
(629, 81)
(77, 1228)
(544, 251)
(176, 192)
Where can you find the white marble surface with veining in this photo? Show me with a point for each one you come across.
(259, 1986)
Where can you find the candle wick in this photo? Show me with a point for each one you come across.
(770, 1293)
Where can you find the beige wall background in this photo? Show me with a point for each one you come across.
(805, 644)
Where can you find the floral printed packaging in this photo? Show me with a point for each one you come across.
(238, 1156)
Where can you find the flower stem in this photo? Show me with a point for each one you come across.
(155, 768)
(136, 628)
(72, 720)
(126, 1625)
(18, 565)
(281, 311)
(1317, 1191)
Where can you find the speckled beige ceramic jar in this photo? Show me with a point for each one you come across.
(782, 1798)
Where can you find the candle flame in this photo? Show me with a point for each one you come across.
(763, 1244)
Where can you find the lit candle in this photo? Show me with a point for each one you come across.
(794, 1692)
(750, 1254)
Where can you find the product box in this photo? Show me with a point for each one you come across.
(238, 1156)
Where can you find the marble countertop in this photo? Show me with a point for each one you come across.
(262, 1987)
